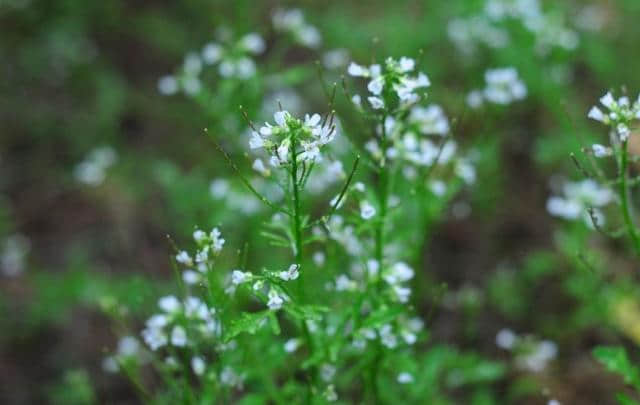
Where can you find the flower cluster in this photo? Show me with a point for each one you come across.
(531, 354)
(390, 84)
(128, 350)
(268, 286)
(620, 116)
(549, 30)
(181, 323)
(398, 274)
(503, 86)
(233, 60)
(209, 246)
(93, 169)
(466, 33)
(293, 22)
(291, 138)
(579, 197)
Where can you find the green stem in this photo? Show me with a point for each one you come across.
(383, 196)
(297, 227)
(297, 235)
(624, 199)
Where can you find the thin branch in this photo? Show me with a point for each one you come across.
(244, 179)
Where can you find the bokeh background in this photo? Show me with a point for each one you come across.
(97, 167)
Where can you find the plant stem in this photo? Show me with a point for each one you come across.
(297, 227)
(624, 199)
(383, 196)
(297, 236)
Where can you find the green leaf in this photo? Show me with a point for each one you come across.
(615, 359)
(306, 312)
(381, 316)
(247, 323)
(273, 321)
(625, 400)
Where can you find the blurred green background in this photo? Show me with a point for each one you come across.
(77, 76)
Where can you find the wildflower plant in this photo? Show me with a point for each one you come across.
(608, 172)
(607, 167)
(334, 318)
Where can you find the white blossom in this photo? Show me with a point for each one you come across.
(275, 300)
(239, 277)
(178, 336)
(367, 211)
(405, 378)
(290, 274)
(198, 365)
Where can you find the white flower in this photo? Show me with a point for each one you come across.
(475, 99)
(438, 187)
(178, 336)
(291, 274)
(309, 36)
(199, 235)
(219, 188)
(253, 43)
(198, 365)
(402, 293)
(169, 304)
(292, 345)
(230, 378)
(245, 68)
(128, 346)
(256, 140)
(357, 70)
(92, 170)
(154, 335)
(430, 120)
(596, 114)
(406, 64)
(292, 21)
(275, 300)
(567, 209)
(503, 86)
(13, 255)
(538, 357)
(400, 272)
(367, 211)
(259, 166)
(216, 241)
(239, 277)
(190, 277)
(387, 337)
(211, 53)
(327, 372)
(344, 283)
(184, 258)
(623, 131)
(601, 151)
(375, 86)
(168, 85)
(335, 58)
(376, 103)
(506, 339)
(405, 378)
(608, 101)
(192, 64)
(330, 393)
(319, 258)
